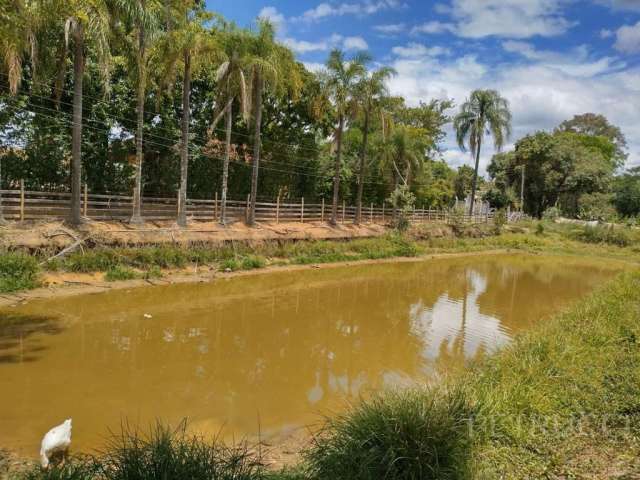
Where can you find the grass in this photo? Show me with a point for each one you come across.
(118, 273)
(18, 271)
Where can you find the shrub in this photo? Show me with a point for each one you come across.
(403, 201)
(165, 454)
(229, 264)
(417, 434)
(551, 214)
(119, 272)
(153, 272)
(252, 262)
(499, 221)
(605, 234)
(539, 228)
(18, 272)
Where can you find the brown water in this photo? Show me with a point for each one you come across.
(272, 350)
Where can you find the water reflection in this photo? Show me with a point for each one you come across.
(276, 349)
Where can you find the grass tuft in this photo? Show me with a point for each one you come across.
(18, 271)
(119, 272)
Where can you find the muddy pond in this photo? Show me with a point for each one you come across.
(270, 352)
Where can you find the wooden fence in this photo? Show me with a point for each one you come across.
(23, 205)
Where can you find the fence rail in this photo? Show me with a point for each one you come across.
(33, 205)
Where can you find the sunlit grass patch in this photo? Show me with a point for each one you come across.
(18, 271)
(120, 272)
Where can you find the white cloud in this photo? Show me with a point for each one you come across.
(576, 62)
(434, 27)
(628, 39)
(274, 16)
(390, 29)
(323, 45)
(540, 93)
(314, 66)
(606, 33)
(502, 18)
(324, 10)
(415, 50)
(355, 43)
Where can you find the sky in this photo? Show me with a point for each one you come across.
(552, 59)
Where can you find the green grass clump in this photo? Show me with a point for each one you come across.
(253, 262)
(416, 434)
(120, 272)
(153, 272)
(76, 468)
(230, 264)
(611, 235)
(18, 271)
(165, 454)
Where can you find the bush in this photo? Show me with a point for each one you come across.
(167, 454)
(551, 214)
(252, 262)
(539, 228)
(153, 272)
(499, 221)
(18, 272)
(119, 272)
(417, 434)
(230, 264)
(605, 234)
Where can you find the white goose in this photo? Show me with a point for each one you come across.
(56, 441)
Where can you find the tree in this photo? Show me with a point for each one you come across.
(189, 44)
(484, 113)
(142, 18)
(592, 124)
(272, 69)
(371, 90)
(340, 85)
(627, 193)
(230, 76)
(88, 22)
(464, 181)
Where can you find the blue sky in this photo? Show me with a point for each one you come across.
(550, 58)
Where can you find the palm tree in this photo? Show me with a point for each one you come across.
(273, 69)
(231, 76)
(371, 90)
(190, 44)
(484, 113)
(143, 16)
(340, 85)
(88, 22)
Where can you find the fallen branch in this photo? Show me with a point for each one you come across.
(71, 248)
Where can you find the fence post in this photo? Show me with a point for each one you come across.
(302, 210)
(278, 209)
(322, 211)
(246, 208)
(85, 208)
(383, 211)
(215, 207)
(21, 200)
(371, 216)
(343, 210)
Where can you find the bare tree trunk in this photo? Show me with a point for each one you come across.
(363, 161)
(225, 165)
(475, 177)
(184, 148)
(257, 140)
(136, 217)
(336, 176)
(76, 136)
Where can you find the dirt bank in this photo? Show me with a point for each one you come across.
(57, 235)
(65, 284)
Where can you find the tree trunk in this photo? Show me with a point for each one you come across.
(257, 140)
(225, 165)
(136, 217)
(363, 161)
(184, 148)
(475, 177)
(336, 177)
(76, 136)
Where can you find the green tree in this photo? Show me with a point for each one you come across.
(231, 79)
(88, 23)
(340, 82)
(191, 46)
(142, 21)
(484, 113)
(272, 69)
(464, 181)
(627, 193)
(371, 92)
(595, 125)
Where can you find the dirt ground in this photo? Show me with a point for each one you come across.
(58, 235)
